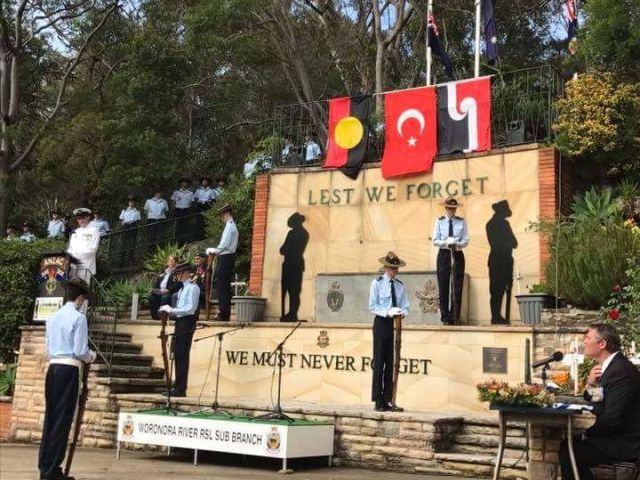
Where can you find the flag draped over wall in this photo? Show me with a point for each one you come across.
(419, 123)
(348, 133)
(410, 131)
(464, 116)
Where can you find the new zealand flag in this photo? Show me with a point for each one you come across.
(438, 49)
(490, 32)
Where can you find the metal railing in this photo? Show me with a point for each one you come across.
(124, 250)
(523, 111)
(102, 316)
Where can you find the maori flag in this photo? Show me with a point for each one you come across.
(410, 131)
(464, 116)
(348, 133)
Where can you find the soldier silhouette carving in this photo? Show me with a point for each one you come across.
(293, 266)
(502, 242)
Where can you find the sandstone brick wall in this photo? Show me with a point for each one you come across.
(259, 232)
(28, 400)
(27, 414)
(5, 417)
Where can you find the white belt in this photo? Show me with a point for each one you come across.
(74, 362)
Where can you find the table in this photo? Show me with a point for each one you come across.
(229, 434)
(540, 415)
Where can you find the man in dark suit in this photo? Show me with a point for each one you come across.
(164, 287)
(613, 389)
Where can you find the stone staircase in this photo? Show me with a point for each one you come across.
(473, 447)
(131, 373)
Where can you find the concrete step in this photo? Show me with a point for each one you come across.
(509, 453)
(127, 347)
(127, 371)
(132, 359)
(490, 441)
(479, 459)
(118, 336)
(133, 385)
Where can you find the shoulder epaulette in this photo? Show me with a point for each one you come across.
(459, 218)
(379, 278)
(399, 281)
(441, 218)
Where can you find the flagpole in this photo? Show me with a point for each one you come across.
(476, 70)
(428, 49)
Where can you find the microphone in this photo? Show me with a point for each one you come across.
(554, 357)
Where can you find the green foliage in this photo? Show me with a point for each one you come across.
(588, 259)
(8, 379)
(610, 39)
(121, 292)
(539, 288)
(596, 206)
(597, 122)
(156, 262)
(18, 266)
(623, 308)
(629, 198)
(239, 193)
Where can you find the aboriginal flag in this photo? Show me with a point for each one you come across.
(348, 133)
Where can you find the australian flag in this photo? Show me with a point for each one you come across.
(438, 49)
(490, 32)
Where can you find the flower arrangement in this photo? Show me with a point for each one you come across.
(521, 395)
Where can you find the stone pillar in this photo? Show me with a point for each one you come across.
(28, 399)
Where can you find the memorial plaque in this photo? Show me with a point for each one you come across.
(494, 360)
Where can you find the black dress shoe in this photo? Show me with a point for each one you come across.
(381, 408)
(394, 408)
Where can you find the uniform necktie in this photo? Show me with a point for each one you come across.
(451, 227)
(394, 302)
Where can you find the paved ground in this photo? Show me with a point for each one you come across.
(19, 462)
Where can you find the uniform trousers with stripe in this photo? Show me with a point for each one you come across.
(447, 313)
(61, 396)
(382, 384)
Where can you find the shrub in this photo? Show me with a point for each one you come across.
(8, 379)
(595, 205)
(156, 262)
(623, 308)
(588, 259)
(18, 264)
(121, 292)
(239, 193)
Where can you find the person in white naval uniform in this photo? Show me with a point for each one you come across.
(83, 246)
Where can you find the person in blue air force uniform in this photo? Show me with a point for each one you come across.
(387, 299)
(185, 314)
(67, 344)
(450, 236)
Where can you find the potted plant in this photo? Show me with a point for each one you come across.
(249, 307)
(7, 384)
(532, 303)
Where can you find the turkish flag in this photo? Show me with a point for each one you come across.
(464, 116)
(410, 131)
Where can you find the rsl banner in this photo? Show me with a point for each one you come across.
(239, 435)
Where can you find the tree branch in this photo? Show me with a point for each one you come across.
(63, 87)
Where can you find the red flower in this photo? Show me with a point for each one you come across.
(614, 314)
(617, 288)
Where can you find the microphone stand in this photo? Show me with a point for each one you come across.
(215, 406)
(278, 414)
